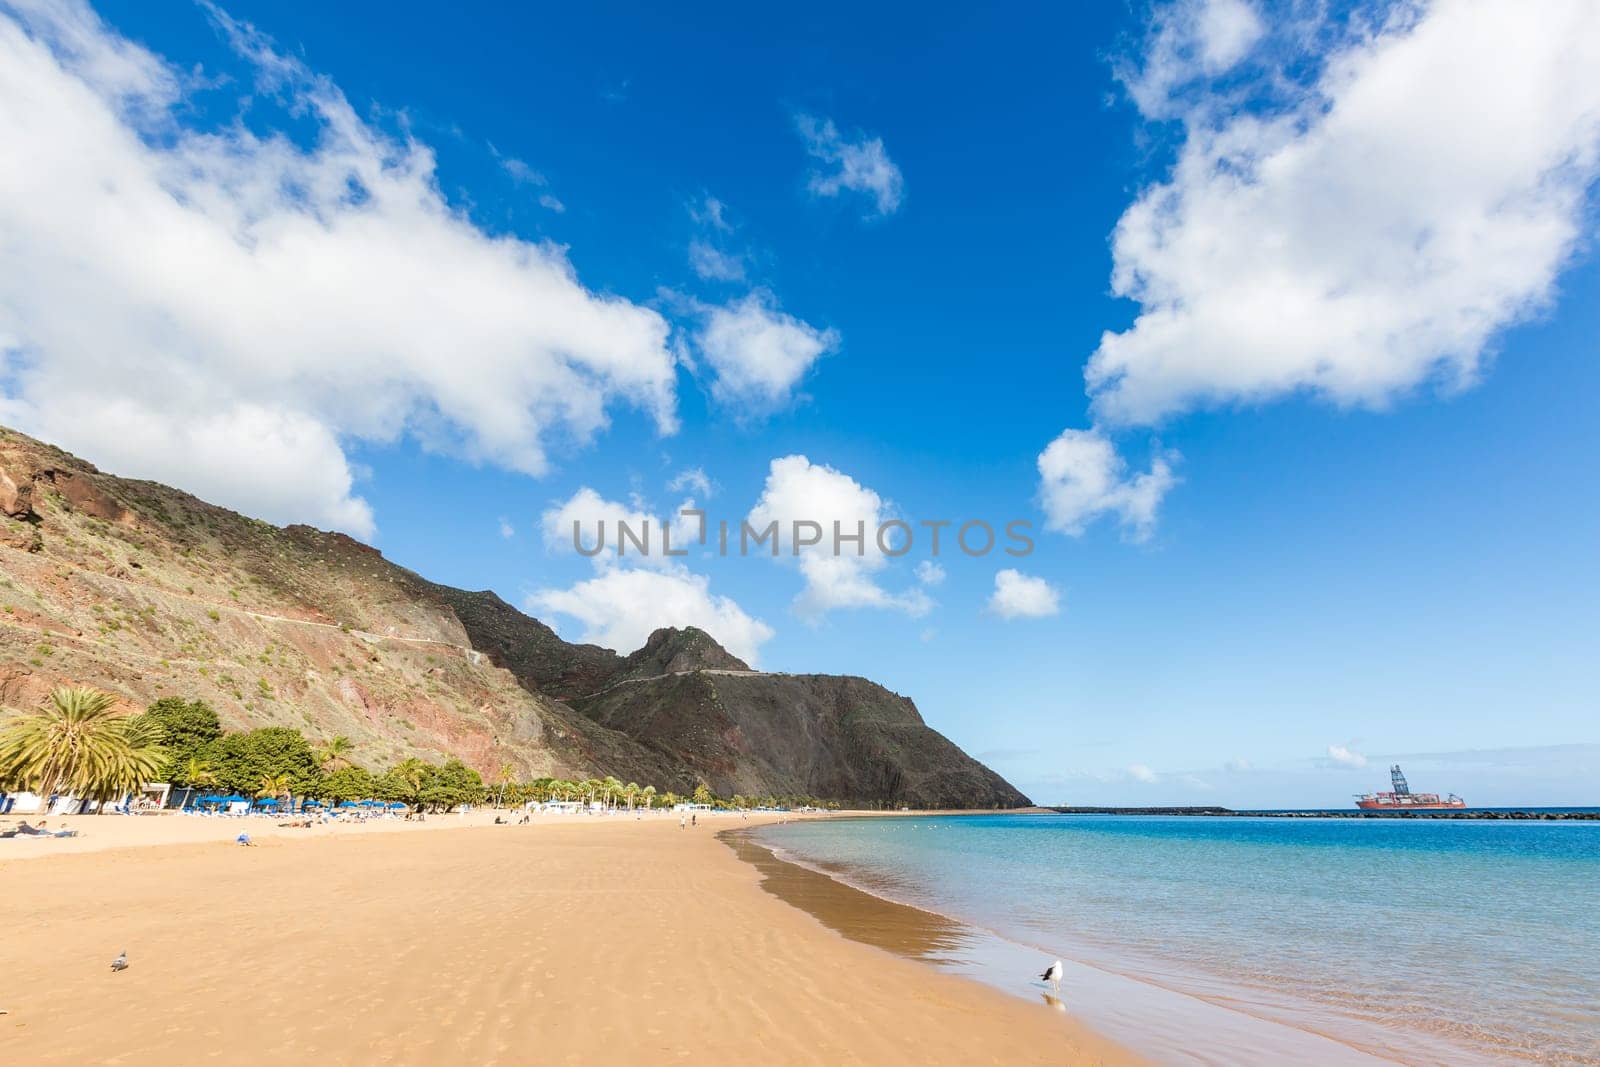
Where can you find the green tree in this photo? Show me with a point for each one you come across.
(243, 759)
(78, 743)
(453, 784)
(406, 781)
(348, 783)
(702, 794)
(334, 753)
(187, 729)
(648, 795)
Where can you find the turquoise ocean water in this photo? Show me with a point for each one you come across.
(1422, 936)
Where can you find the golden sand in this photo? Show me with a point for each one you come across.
(571, 940)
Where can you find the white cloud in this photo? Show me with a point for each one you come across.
(259, 304)
(621, 606)
(1362, 229)
(1345, 757)
(694, 480)
(634, 594)
(550, 203)
(1189, 39)
(518, 170)
(1140, 773)
(507, 530)
(712, 213)
(859, 166)
(1021, 596)
(929, 573)
(1081, 477)
(589, 510)
(713, 264)
(759, 353)
(1236, 765)
(799, 490)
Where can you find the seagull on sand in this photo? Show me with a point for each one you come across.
(121, 962)
(1052, 974)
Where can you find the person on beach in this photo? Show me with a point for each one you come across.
(683, 821)
(694, 820)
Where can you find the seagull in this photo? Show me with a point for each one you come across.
(121, 962)
(1052, 974)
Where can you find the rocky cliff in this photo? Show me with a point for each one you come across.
(146, 591)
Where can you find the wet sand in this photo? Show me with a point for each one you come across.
(569, 940)
(1145, 1016)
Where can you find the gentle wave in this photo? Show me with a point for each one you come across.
(1386, 935)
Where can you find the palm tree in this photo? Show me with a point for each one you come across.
(274, 785)
(77, 742)
(334, 753)
(649, 795)
(507, 773)
(196, 773)
(610, 789)
(411, 773)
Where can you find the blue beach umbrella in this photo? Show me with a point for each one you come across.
(348, 804)
(396, 804)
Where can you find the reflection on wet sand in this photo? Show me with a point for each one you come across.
(858, 916)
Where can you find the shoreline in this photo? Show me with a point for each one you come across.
(559, 938)
(1161, 1021)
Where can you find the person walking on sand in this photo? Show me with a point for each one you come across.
(694, 820)
(683, 821)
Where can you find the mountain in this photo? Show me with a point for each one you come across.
(146, 591)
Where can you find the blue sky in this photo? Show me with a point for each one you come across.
(1311, 323)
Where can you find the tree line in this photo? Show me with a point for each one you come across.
(77, 742)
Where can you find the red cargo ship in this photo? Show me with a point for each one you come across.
(1403, 799)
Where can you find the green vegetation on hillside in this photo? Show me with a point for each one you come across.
(77, 743)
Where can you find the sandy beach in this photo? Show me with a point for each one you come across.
(570, 940)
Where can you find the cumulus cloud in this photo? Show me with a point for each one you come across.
(799, 490)
(1344, 757)
(1021, 596)
(599, 521)
(1140, 773)
(1362, 230)
(636, 592)
(1081, 477)
(261, 302)
(507, 530)
(621, 606)
(759, 353)
(856, 166)
(929, 573)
